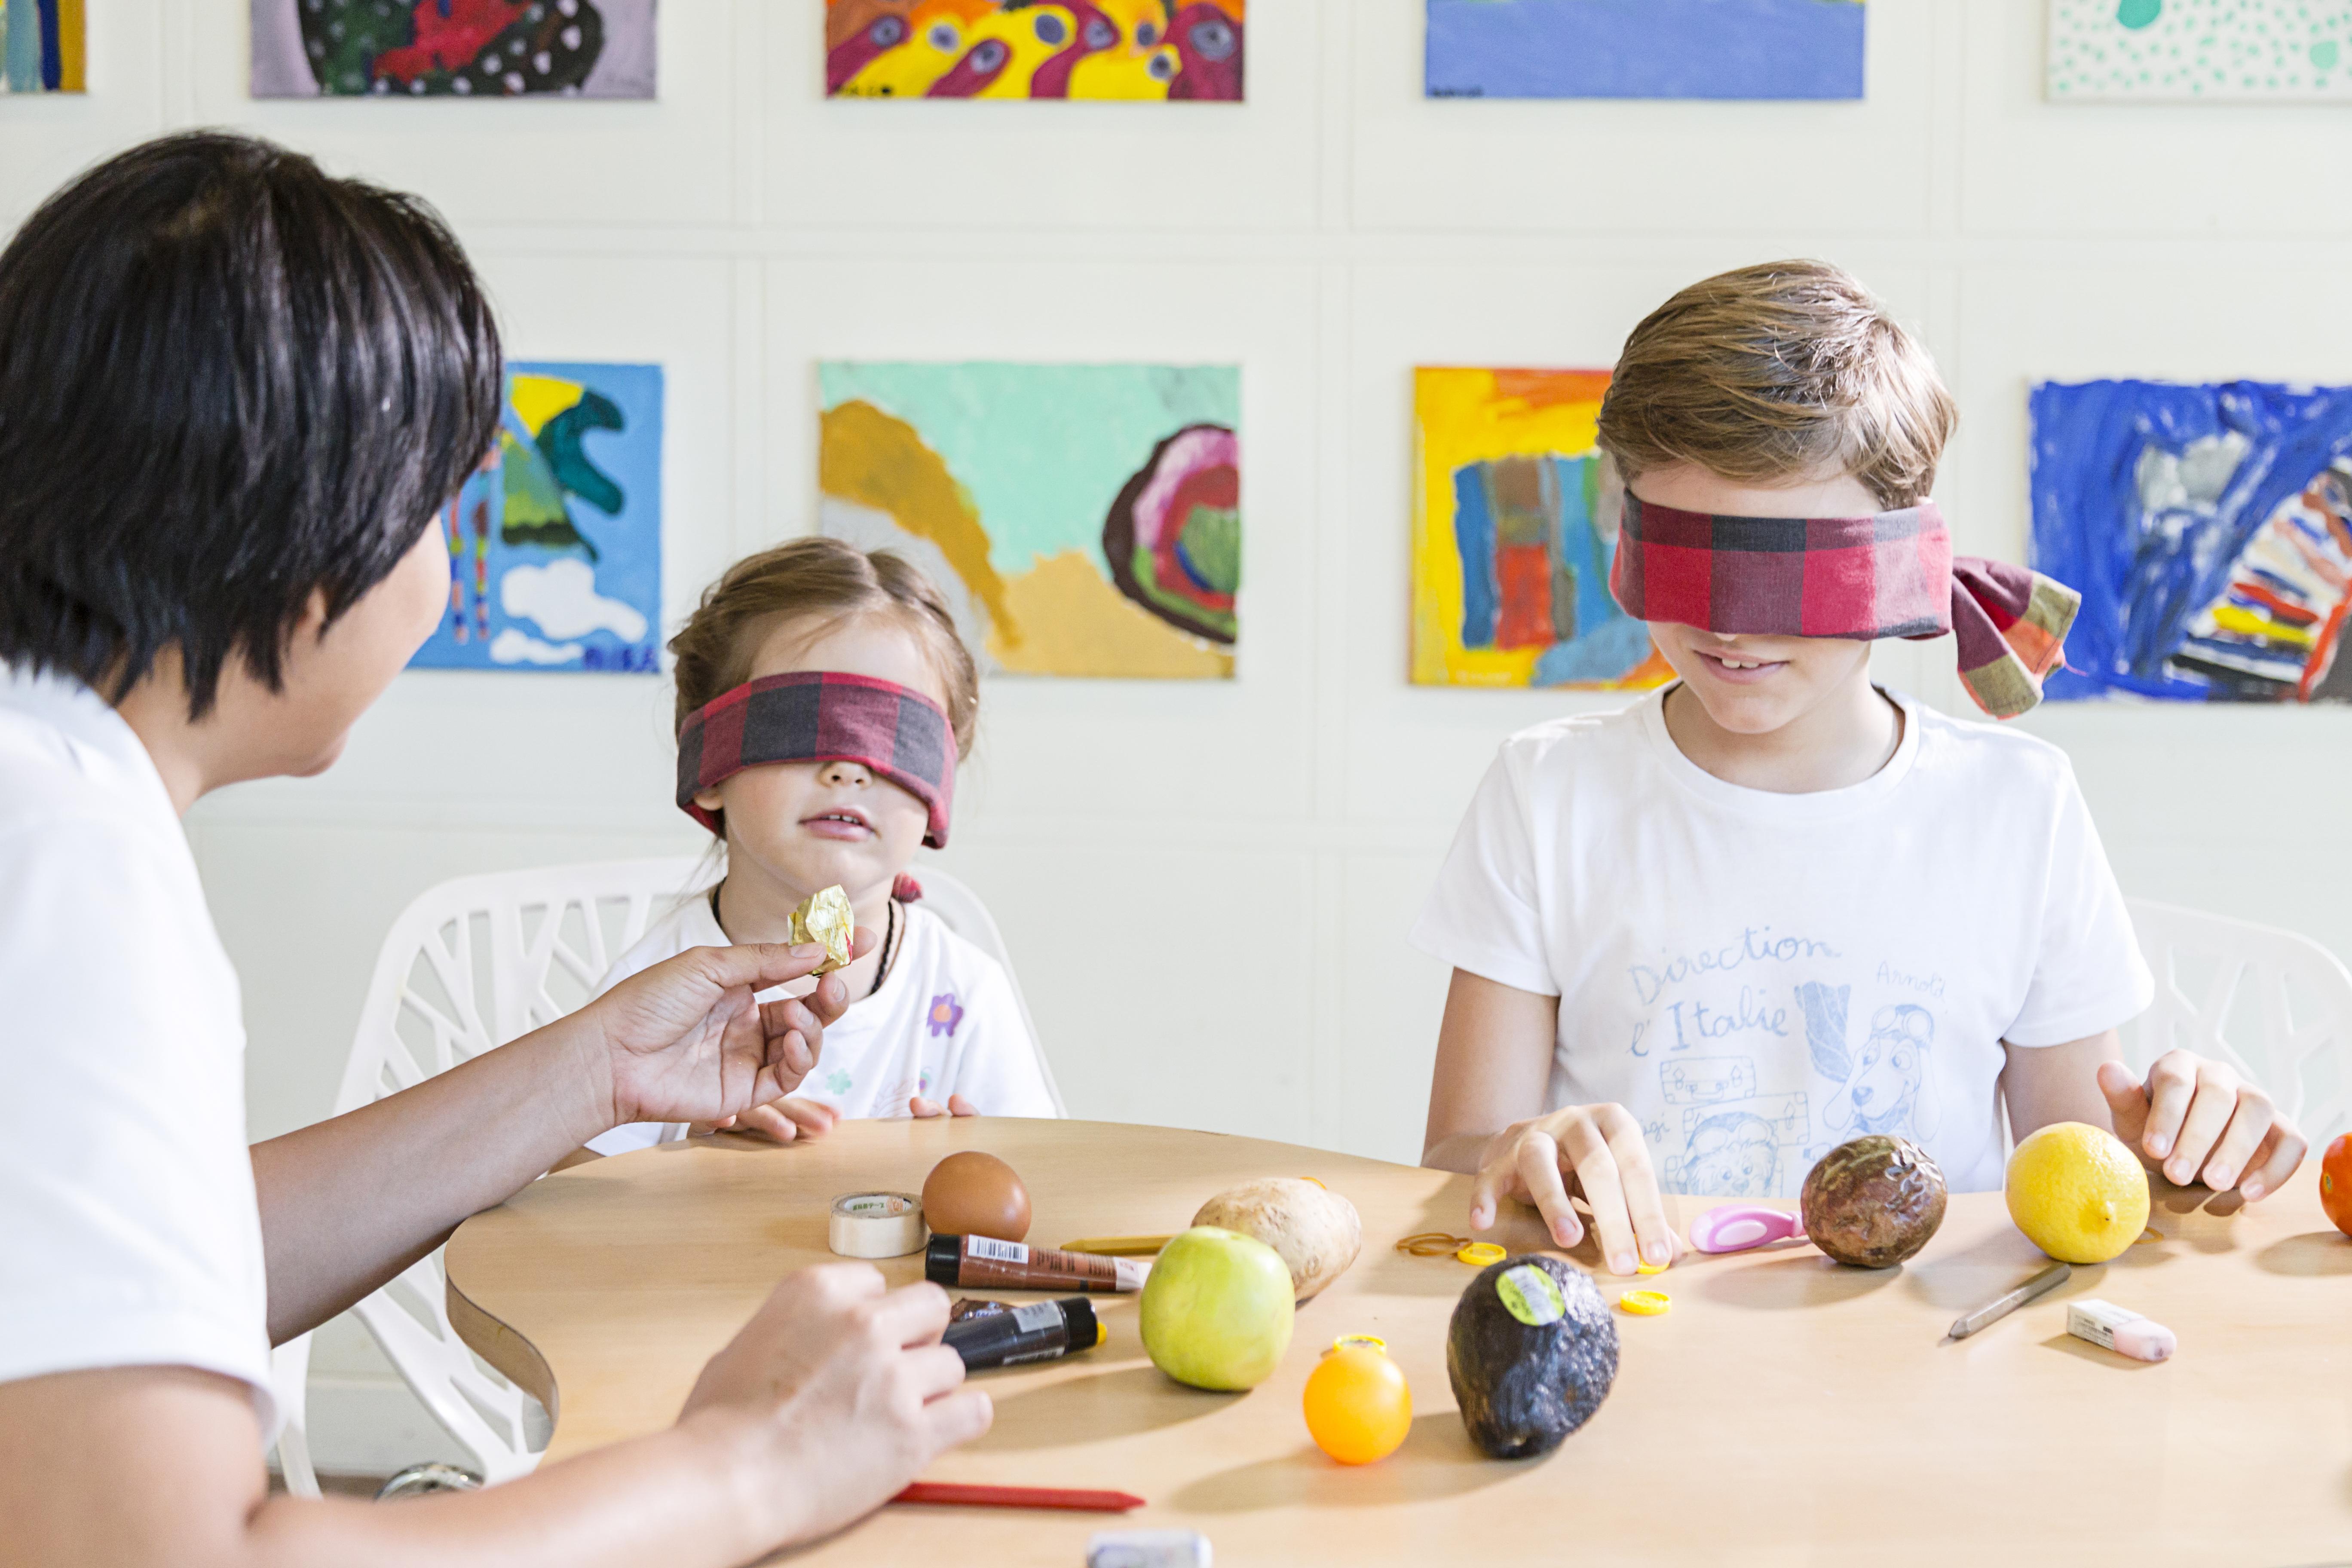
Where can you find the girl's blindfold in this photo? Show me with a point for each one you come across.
(820, 716)
(1890, 575)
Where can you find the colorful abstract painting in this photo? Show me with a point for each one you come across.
(1644, 48)
(458, 48)
(555, 544)
(1514, 525)
(2211, 51)
(2208, 529)
(41, 46)
(1142, 49)
(1081, 519)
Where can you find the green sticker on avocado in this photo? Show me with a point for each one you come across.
(1530, 1295)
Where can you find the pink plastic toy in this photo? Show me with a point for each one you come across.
(1735, 1227)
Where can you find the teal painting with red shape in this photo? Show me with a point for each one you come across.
(2209, 530)
(555, 542)
(1141, 50)
(453, 49)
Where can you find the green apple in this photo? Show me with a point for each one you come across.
(1216, 1309)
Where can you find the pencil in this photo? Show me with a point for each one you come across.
(2001, 1307)
(966, 1494)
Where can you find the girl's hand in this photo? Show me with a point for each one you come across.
(923, 1110)
(783, 1121)
(1601, 1147)
(2195, 1121)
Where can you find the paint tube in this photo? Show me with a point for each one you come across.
(981, 1262)
(1034, 1330)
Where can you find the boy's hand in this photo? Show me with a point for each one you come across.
(684, 1041)
(845, 1393)
(923, 1110)
(783, 1121)
(2195, 1121)
(1601, 1147)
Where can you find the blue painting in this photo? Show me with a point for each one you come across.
(555, 542)
(2208, 529)
(1645, 48)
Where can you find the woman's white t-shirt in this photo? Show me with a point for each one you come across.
(946, 1021)
(129, 1231)
(1758, 977)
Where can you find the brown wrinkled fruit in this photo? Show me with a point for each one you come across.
(1873, 1201)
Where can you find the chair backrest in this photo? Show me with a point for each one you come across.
(2274, 1005)
(956, 904)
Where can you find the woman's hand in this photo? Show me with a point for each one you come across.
(845, 1393)
(2196, 1121)
(1602, 1148)
(684, 1041)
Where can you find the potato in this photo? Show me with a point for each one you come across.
(1317, 1232)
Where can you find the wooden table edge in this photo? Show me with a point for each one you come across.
(515, 1358)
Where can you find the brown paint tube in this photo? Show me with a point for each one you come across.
(982, 1262)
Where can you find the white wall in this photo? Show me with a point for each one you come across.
(1205, 887)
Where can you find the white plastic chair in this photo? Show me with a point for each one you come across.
(2275, 1006)
(471, 964)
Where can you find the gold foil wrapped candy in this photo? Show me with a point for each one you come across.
(826, 918)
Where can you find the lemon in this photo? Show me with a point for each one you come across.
(2076, 1192)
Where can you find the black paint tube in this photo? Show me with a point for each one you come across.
(1034, 1331)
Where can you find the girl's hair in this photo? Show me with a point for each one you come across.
(830, 581)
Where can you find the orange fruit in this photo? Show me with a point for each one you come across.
(2336, 1183)
(1359, 1408)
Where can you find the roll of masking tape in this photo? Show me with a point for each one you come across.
(876, 1224)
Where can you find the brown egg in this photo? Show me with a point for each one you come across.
(972, 1194)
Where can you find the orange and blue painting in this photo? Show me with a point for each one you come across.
(453, 49)
(1645, 48)
(41, 46)
(2209, 530)
(1151, 50)
(1081, 518)
(1515, 526)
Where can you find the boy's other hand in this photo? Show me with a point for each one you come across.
(837, 1393)
(783, 1121)
(1595, 1151)
(2195, 1121)
(685, 1041)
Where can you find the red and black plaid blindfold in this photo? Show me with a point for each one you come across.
(822, 716)
(1889, 576)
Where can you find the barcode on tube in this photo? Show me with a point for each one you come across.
(999, 1251)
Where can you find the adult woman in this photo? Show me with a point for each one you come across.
(232, 394)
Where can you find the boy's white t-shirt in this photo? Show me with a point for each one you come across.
(1758, 977)
(946, 1021)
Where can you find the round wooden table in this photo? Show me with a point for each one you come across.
(1786, 1411)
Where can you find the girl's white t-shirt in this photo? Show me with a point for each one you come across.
(946, 1021)
(1758, 977)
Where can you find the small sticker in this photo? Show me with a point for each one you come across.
(1530, 1295)
(998, 1252)
(1032, 1316)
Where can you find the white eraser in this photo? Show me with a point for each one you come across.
(2119, 1330)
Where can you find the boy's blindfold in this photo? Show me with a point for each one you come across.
(1891, 575)
(820, 716)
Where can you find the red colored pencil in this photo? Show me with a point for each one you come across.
(961, 1495)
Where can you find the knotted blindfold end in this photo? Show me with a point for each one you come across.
(820, 716)
(1892, 574)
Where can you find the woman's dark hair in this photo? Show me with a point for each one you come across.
(227, 382)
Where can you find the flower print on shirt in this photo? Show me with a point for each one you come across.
(838, 1082)
(946, 1014)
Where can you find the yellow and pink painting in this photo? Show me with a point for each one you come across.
(1515, 525)
(1151, 50)
(1082, 519)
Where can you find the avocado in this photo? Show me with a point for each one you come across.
(1873, 1201)
(1531, 1354)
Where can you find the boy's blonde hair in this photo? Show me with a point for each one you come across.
(1786, 371)
(828, 581)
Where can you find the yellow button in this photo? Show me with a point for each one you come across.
(1649, 1268)
(1479, 1254)
(1646, 1303)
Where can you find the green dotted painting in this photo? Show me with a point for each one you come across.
(2213, 51)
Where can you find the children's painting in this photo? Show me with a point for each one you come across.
(1081, 518)
(1644, 48)
(1515, 525)
(2210, 51)
(41, 46)
(1145, 49)
(453, 49)
(555, 543)
(2208, 529)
